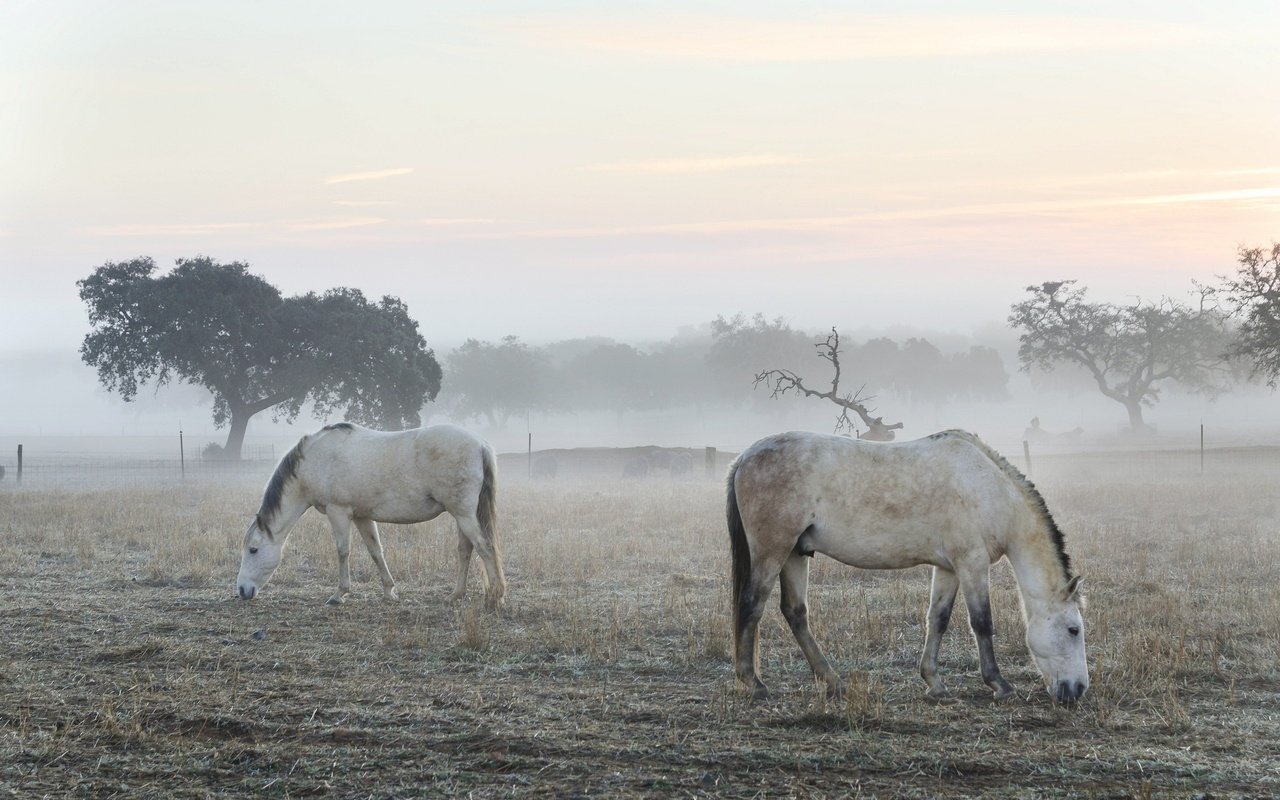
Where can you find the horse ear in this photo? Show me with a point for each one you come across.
(257, 520)
(1072, 590)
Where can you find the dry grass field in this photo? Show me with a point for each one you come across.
(129, 669)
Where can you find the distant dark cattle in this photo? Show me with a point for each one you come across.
(661, 459)
(545, 467)
(636, 468)
(682, 465)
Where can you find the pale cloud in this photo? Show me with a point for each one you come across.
(705, 164)
(1162, 174)
(1228, 195)
(451, 221)
(174, 229)
(368, 176)
(842, 38)
(834, 223)
(335, 224)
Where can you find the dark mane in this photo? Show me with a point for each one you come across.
(1029, 489)
(339, 426)
(286, 469)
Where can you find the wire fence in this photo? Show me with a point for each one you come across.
(61, 469)
(67, 470)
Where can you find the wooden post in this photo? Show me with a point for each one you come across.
(711, 462)
(182, 455)
(1201, 448)
(529, 460)
(1026, 453)
(19, 465)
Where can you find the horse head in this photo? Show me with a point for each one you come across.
(1055, 636)
(259, 556)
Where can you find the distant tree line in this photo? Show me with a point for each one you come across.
(712, 366)
(219, 326)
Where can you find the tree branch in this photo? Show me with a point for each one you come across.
(782, 381)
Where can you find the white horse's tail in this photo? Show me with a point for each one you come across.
(487, 503)
(739, 550)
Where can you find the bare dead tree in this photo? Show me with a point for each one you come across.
(782, 381)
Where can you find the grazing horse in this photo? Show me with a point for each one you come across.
(356, 476)
(947, 500)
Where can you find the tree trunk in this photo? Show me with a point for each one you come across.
(1136, 423)
(235, 439)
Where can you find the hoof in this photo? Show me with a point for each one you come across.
(336, 600)
(391, 596)
(835, 693)
(940, 695)
(1002, 693)
(455, 597)
(760, 694)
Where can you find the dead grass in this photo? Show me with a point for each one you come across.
(129, 668)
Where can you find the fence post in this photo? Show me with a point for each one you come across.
(19, 465)
(529, 459)
(711, 462)
(1026, 453)
(182, 455)
(1201, 448)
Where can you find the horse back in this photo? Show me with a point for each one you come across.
(874, 505)
(395, 476)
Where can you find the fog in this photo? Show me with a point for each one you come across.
(628, 172)
(54, 405)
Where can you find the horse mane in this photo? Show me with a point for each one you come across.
(1029, 491)
(285, 470)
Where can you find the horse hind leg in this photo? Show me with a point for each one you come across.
(746, 634)
(465, 549)
(942, 597)
(373, 543)
(794, 586)
(496, 589)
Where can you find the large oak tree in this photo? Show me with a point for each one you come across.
(1254, 293)
(219, 326)
(1129, 350)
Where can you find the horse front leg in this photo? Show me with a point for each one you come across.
(794, 585)
(340, 521)
(942, 597)
(373, 543)
(977, 596)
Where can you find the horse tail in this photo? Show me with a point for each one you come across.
(487, 502)
(738, 548)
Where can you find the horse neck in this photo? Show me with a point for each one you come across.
(292, 505)
(1035, 562)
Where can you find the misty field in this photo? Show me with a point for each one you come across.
(129, 668)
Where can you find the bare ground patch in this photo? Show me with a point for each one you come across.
(129, 669)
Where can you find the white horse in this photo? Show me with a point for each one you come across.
(948, 500)
(356, 476)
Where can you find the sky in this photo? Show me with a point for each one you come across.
(561, 169)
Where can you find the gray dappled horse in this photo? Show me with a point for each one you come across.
(947, 500)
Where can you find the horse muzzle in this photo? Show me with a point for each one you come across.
(1069, 692)
(247, 592)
